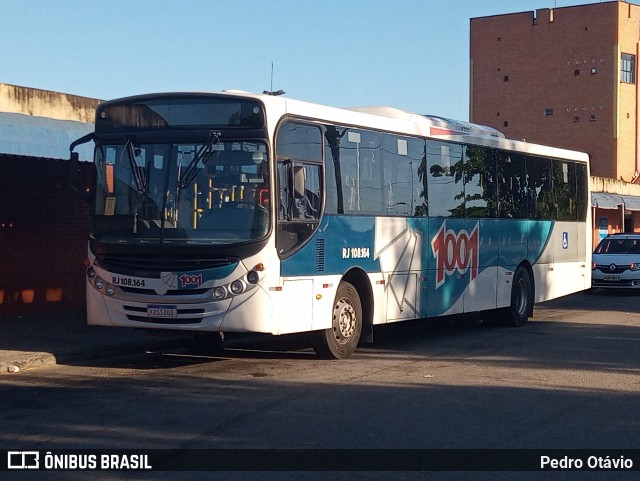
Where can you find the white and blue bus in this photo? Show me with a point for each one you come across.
(231, 212)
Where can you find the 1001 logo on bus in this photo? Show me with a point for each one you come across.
(455, 251)
(191, 280)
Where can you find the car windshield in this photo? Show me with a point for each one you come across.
(618, 246)
(210, 192)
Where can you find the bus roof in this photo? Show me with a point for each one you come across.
(387, 119)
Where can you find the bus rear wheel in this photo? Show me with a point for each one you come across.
(521, 304)
(517, 314)
(341, 339)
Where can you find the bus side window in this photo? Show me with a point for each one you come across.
(404, 162)
(582, 192)
(299, 154)
(360, 160)
(511, 184)
(284, 204)
(445, 179)
(480, 182)
(306, 197)
(540, 188)
(564, 188)
(333, 171)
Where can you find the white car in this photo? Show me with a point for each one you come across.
(616, 262)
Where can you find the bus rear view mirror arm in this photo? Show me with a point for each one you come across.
(81, 174)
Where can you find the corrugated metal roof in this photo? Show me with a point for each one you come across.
(613, 201)
(30, 136)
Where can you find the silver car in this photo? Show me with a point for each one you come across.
(616, 262)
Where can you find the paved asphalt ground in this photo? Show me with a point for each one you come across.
(29, 341)
(62, 336)
(570, 378)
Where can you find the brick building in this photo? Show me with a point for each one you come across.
(567, 77)
(43, 225)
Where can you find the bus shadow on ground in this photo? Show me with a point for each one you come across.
(72, 342)
(448, 336)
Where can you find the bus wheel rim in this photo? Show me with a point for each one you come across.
(345, 320)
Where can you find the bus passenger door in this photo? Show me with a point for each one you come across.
(398, 249)
(402, 292)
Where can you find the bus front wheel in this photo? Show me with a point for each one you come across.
(341, 339)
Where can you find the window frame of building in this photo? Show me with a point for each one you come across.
(628, 68)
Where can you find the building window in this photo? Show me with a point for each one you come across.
(628, 68)
(548, 112)
(576, 72)
(506, 78)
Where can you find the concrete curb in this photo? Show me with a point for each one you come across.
(12, 362)
(16, 361)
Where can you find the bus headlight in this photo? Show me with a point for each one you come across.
(219, 293)
(98, 282)
(237, 287)
(253, 277)
(91, 273)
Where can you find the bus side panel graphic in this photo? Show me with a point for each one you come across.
(430, 267)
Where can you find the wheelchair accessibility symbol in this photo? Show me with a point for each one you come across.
(565, 240)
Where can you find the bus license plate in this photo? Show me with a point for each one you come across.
(611, 278)
(162, 311)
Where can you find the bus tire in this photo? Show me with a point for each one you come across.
(517, 314)
(341, 339)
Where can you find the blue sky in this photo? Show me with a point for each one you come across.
(408, 54)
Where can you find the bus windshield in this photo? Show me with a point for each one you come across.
(210, 192)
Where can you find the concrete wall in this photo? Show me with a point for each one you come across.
(44, 226)
(44, 103)
(613, 186)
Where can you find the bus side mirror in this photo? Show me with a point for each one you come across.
(82, 177)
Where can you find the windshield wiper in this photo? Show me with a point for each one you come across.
(138, 172)
(203, 154)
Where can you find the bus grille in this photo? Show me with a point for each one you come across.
(320, 255)
(173, 292)
(162, 263)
